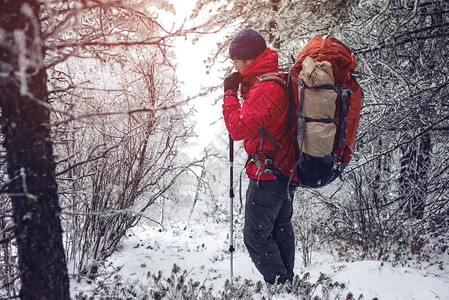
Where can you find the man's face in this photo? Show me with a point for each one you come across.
(241, 65)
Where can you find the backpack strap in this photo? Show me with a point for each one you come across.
(345, 93)
(300, 111)
(271, 168)
(274, 77)
(264, 131)
(269, 162)
(285, 83)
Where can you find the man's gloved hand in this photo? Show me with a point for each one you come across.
(232, 82)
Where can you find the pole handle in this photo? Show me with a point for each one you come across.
(231, 167)
(231, 149)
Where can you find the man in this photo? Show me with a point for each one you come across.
(264, 122)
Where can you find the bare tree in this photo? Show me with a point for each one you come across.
(287, 24)
(401, 180)
(407, 90)
(136, 160)
(119, 121)
(259, 15)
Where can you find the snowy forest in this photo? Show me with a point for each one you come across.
(109, 159)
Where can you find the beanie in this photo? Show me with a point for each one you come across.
(247, 44)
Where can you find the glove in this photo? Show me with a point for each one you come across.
(232, 82)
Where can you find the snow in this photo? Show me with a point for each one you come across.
(202, 250)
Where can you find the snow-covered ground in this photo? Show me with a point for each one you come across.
(201, 249)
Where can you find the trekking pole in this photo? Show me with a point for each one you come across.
(231, 196)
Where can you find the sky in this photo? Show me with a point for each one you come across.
(192, 72)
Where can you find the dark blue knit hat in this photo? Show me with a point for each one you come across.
(247, 44)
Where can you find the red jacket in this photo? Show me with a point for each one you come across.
(265, 104)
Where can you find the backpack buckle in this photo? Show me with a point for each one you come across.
(268, 163)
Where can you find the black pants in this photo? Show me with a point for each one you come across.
(268, 232)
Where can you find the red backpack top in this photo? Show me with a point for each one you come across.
(327, 48)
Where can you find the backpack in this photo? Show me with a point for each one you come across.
(326, 99)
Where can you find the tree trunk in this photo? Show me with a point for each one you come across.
(423, 165)
(25, 125)
(415, 162)
(275, 41)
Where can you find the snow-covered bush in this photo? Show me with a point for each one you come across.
(180, 286)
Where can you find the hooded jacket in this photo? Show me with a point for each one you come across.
(265, 105)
